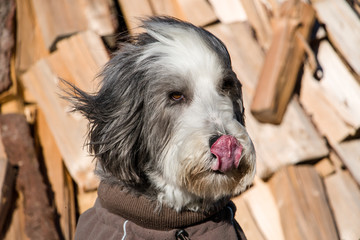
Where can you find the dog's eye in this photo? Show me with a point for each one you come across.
(177, 96)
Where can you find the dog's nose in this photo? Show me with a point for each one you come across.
(213, 139)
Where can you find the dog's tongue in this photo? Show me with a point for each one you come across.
(227, 150)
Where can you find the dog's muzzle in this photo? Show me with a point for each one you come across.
(227, 151)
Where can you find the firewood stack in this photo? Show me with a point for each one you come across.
(298, 61)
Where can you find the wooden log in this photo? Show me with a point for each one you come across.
(198, 12)
(58, 19)
(7, 42)
(333, 101)
(303, 205)
(133, 11)
(259, 20)
(167, 8)
(343, 27)
(324, 167)
(56, 173)
(344, 198)
(229, 11)
(246, 220)
(19, 147)
(282, 63)
(349, 153)
(83, 51)
(7, 186)
(30, 45)
(261, 204)
(296, 139)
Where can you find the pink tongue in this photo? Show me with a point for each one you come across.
(227, 150)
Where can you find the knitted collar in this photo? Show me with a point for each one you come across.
(141, 211)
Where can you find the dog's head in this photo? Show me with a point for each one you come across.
(168, 120)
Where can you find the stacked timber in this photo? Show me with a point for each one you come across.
(298, 62)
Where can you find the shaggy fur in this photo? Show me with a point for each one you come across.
(165, 97)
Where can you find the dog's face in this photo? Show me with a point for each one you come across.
(168, 120)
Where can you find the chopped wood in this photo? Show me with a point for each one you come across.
(30, 45)
(259, 20)
(246, 220)
(56, 173)
(86, 200)
(302, 201)
(19, 148)
(349, 153)
(83, 51)
(262, 206)
(7, 189)
(98, 16)
(133, 11)
(344, 197)
(229, 11)
(334, 100)
(58, 19)
(282, 63)
(68, 131)
(7, 41)
(198, 12)
(167, 8)
(343, 27)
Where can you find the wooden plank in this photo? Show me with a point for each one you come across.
(133, 11)
(322, 111)
(58, 19)
(302, 201)
(19, 147)
(344, 198)
(198, 12)
(229, 11)
(77, 60)
(246, 221)
(349, 152)
(262, 206)
(68, 131)
(296, 139)
(282, 62)
(259, 20)
(7, 186)
(30, 45)
(167, 8)
(98, 16)
(57, 177)
(343, 27)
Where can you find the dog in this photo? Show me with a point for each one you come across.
(167, 130)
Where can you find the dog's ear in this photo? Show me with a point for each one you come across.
(116, 119)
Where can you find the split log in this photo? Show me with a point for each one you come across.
(333, 101)
(7, 39)
(83, 51)
(198, 12)
(349, 153)
(296, 139)
(30, 45)
(283, 62)
(56, 174)
(302, 201)
(7, 188)
(246, 220)
(229, 11)
(344, 197)
(259, 20)
(261, 204)
(58, 19)
(132, 11)
(324, 167)
(19, 147)
(343, 27)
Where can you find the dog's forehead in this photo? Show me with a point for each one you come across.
(188, 51)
